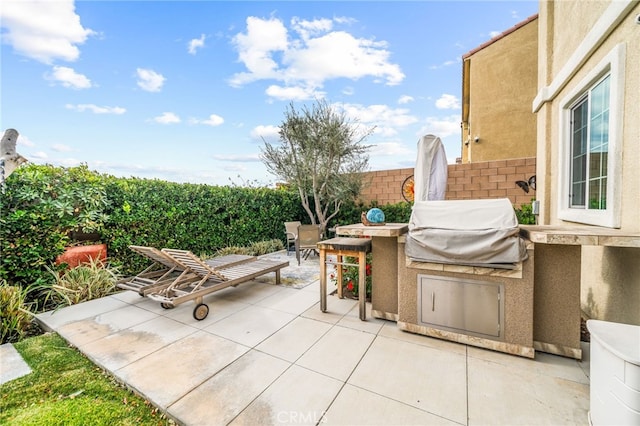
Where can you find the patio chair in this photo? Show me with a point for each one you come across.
(308, 238)
(209, 279)
(291, 229)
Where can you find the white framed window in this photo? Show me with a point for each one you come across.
(591, 145)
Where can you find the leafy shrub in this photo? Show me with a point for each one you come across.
(394, 213)
(16, 319)
(85, 282)
(525, 214)
(199, 218)
(41, 203)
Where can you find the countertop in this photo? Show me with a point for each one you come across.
(387, 230)
(578, 235)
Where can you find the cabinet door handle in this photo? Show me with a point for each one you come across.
(433, 301)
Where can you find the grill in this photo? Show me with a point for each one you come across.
(465, 232)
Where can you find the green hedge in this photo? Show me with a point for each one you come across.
(200, 218)
(351, 212)
(41, 204)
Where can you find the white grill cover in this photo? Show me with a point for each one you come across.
(466, 232)
(430, 173)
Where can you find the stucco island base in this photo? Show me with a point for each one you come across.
(518, 302)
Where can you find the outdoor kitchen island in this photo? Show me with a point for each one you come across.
(492, 307)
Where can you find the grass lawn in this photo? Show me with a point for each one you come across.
(65, 388)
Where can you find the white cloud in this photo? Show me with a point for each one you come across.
(293, 93)
(446, 64)
(389, 149)
(441, 126)
(349, 91)
(196, 44)
(213, 120)
(265, 132)
(310, 54)
(96, 109)
(340, 55)
(69, 162)
(167, 118)
(379, 115)
(307, 29)
(150, 80)
(385, 131)
(250, 158)
(43, 30)
(256, 46)
(39, 154)
(405, 99)
(69, 78)
(61, 147)
(235, 167)
(493, 34)
(24, 141)
(447, 101)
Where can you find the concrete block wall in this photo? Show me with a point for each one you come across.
(487, 179)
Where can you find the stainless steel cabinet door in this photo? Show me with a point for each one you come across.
(461, 305)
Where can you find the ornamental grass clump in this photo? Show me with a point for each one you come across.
(16, 319)
(255, 249)
(87, 281)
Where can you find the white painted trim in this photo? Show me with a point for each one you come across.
(612, 16)
(614, 63)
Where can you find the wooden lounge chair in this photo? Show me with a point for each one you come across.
(165, 270)
(210, 280)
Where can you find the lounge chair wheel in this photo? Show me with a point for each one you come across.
(201, 311)
(166, 305)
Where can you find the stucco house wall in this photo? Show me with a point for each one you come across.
(603, 36)
(500, 77)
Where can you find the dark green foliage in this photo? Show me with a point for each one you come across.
(525, 214)
(394, 213)
(35, 217)
(199, 218)
(41, 204)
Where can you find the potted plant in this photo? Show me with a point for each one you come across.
(80, 207)
(72, 203)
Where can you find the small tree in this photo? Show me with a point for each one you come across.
(322, 155)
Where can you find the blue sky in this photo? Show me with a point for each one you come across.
(188, 91)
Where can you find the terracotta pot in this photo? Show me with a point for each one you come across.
(74, 256)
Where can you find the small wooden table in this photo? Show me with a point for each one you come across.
(384, 265)
(353, 247)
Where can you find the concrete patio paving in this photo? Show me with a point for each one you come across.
(266, 354)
